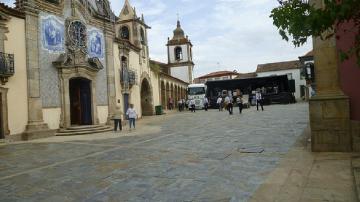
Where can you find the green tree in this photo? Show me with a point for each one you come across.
(299, 20)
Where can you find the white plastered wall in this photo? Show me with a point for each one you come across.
(51, 116)
(140, 67)
(181, 72)
(155, 88)
(17, 84)
(102, 112)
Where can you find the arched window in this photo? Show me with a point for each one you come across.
(142, 36)
(178, 53)
(124, 33)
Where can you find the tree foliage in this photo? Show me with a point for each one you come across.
(298, 20)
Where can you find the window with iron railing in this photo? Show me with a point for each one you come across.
(6, 64)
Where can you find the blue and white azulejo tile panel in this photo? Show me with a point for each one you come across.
(96, 43)
(52, 33)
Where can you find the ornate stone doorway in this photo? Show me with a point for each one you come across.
(146, 98)
(80, 101)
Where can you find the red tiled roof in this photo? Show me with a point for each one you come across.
(217, 74)
(278, 66)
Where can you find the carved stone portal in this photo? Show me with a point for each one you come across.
(74, 64)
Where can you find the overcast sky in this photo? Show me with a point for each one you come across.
(226, 34)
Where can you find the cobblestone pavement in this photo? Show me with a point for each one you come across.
(202, 156)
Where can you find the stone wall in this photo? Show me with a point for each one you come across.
(355, 132)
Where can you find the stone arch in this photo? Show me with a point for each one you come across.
(179, 96)
(147, 106)
(163, 94)
(175, 95)
(167, 91)
(124, 32)
(172, 91)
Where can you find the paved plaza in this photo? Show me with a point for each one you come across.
(202, 156)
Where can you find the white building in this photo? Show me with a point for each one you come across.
(289, 68)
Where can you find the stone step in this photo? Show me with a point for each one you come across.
(84, 127)
(2, 141)
(72, 129)
(83, 131)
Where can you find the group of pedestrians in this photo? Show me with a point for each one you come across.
(229, 101)
(131, 115)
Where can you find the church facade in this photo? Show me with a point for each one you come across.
(67, 63)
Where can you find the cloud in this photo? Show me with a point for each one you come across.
(10, 3)
(226, 34)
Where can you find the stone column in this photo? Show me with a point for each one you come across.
(36, 127)
(109, 40)
(329, 109)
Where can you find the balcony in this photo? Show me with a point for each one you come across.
(128, 77)
(6, 67)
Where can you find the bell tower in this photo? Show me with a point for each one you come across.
(180, 60)
(132, 29)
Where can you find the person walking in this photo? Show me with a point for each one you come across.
(192, 105)
(131, 113)
(183, 104)
(259, 100)
(229, 104)
(180, 105)
(206, 103)
(117, 118)
(239, 102)
(218, 102)
(171, 103)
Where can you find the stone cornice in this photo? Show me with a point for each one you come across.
(180, 64)
(10, 11)
(137, 20)
(54, 8)
(127, 44)
(163, 74)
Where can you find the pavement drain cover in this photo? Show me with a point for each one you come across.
(251, 150)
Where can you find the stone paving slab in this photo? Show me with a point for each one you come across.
(20, 157)
(181, 157)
